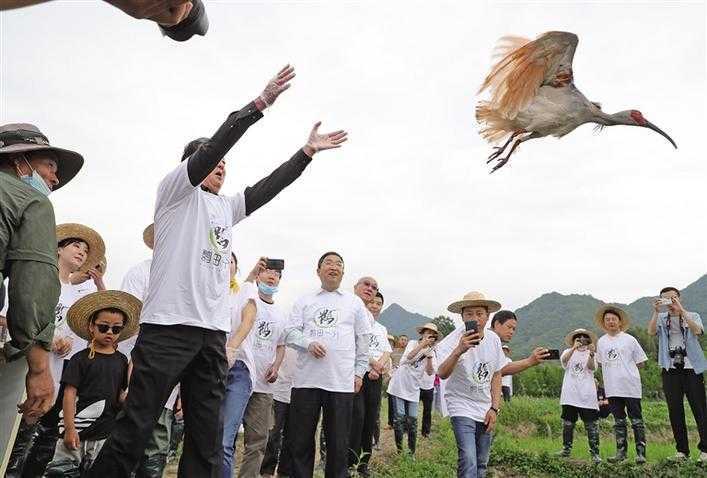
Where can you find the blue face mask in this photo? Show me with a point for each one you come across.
(267, 289)
(36, 181)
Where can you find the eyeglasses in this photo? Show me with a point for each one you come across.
(115, 329)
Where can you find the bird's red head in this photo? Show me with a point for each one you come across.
(638, 117)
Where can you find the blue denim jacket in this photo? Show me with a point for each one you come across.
(694, 350)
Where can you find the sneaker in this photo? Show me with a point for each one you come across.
(679, 456)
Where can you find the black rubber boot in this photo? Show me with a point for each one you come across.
(42, 450)
(399, 431)
(620, 431)
(639, 434)
(593, 438)
(20, 450)
(567, 438)
(412, 434)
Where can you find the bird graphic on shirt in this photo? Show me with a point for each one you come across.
(533, 95)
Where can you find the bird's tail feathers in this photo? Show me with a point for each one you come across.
(494, 126)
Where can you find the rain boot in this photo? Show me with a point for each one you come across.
(620, 431)
(567, 438)
(20, 450)
(398, 431)
(412, 434)
(639, 434)
(593, 438)
(42, 450)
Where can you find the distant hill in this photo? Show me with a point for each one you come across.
(546, 320)
(400, 321)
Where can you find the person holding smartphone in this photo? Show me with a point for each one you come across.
(682, 364)
(471, 362)
(404, 387)
(579, 392)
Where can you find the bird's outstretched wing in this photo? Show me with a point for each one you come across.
(525, 66)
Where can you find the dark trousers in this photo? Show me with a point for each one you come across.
(366, 408)
(678, 383)
(165, 355)
(305, 406)
(506, 392)
(426, 397)
(277, 455)
(391, 410)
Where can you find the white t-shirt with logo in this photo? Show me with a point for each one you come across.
(245, 354)
(189, 277)
(267, 333)
(333, 319)
(378, 341)
(282, 387)
(507, 380)
(618, 357)
(407, 379)
(578, 386)
(467, 391)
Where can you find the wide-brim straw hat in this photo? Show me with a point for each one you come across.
(624, 317)
(569, 340)
(27, 138)
(148, 236)
(79, 315)
(428, 326)
(474, 299)
(96, 246)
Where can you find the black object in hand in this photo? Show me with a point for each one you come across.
(471, 326)
(275, 264)
(553, 354)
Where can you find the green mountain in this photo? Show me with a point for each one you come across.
(400, 321)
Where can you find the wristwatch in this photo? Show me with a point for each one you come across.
(496, 410)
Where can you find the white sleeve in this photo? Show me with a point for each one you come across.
(237, 207)
(447, 345)
(639, 355)
(362, 324)
(564, 352)
(695, 317)
(174, 188)
(386, 344)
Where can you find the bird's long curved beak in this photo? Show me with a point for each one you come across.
(661, 132)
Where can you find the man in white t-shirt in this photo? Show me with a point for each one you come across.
(330, 328)
(186, 314)
(366, 406)
(620, 356)
(471, 363)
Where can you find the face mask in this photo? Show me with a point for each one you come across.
(35, 180)
(267, 289)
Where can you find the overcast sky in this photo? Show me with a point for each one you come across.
(408, 199)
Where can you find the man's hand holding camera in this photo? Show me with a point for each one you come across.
(538, 355)
(467, 341)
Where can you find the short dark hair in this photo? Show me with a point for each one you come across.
(192, 146)
(611, 311)
(70, 240)
(503, 316)
(113, 310)
(668, 289)
(325, 255)
(378, 294)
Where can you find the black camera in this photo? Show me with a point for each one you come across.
(678, 355)
(197, 23)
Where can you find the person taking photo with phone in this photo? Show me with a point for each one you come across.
(682, 364)
(471, 362)
(579, 391)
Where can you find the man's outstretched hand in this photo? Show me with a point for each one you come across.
(276, 86)
(320, 141)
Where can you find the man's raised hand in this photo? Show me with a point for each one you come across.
(277, 85)
(320, 141)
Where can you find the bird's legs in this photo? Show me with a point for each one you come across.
(500, 149)
(502, 161)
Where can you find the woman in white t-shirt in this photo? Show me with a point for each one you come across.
(620, 356)
(579, 392)
(404, 386)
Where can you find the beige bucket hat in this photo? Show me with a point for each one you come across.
(623, 316)
(26, 138)
(428, 326)
(474, 299)
(96, 246)
(569, 339)
(79, 314)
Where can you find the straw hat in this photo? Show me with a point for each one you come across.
(96, 246)
(103, 263)
(80, 313)
(474, 299)
(569, 340)
(148, 236)
(623, 316)
(428, 326)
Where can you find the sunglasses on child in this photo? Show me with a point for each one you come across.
(104, 328)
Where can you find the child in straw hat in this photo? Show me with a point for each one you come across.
(579, 393)
(95, 379)
(404, 386)
(620, 356)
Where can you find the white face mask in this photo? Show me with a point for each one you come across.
(35, 180)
